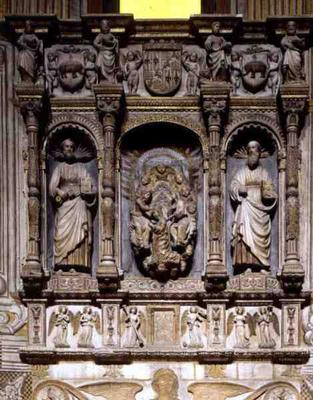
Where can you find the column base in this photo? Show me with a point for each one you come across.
(33, 278)
(292, 277)
(107, 276)
(216, 278)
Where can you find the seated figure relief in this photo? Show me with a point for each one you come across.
(163, 222)
(254, 198)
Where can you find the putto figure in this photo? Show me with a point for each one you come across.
(191, 62)
(254, 197)
(293, 47)
(74, 193)
(30, 54)
(107, 59)
(218, 54)
(131, 65)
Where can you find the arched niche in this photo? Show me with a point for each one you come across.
(86, 155)
(272, 154)
(142, 150)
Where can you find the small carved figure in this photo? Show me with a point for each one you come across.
(293, 47)
(191, 62)
(254, 197)
(90, 69)
(108, 48)
(218, 51)
(308, 329)
(192, 328)
(60, 320)
(242, 323)
(52, 76)
(74, 194)
(273, 72)
(235, 68)
(266, 325)
(165, 384)
(84, 325)
(133, 321)
(30, 54)
(131, 65)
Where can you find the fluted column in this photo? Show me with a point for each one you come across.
(214, 106)
(293, 107)
(31, 107)
(108, 104)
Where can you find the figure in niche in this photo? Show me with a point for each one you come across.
(254, 198)
(107, 58)
(165, 384)
(191, 62)
(242, 323)
(30, 54)
(52, 76)
(74, 194)
(308, 329)
(218, 54)
(163, 222)
(293, 47)
(84, 325)
(192, 328)
(133, 326)
(266, 326)
(131, 64)
(60, 320)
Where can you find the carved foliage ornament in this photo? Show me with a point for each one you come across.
(163, 222)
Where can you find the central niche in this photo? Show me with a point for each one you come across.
(161, 202)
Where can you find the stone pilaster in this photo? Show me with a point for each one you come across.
(294, 100)
(108, 105)
(215, 97)
(30, 100)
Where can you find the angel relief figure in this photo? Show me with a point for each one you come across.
(85, 323)
(134, 327)
(74, 193)
(267, 326)
(131, 63)
(193, 325)
(60, 321)
(241, 323)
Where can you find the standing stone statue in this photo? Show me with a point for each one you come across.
(74, 193)
(254, 197)
(218, 54)
(293, 46)
(107, 59)
(30, 54)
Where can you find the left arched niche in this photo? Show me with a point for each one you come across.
(161, 171)
(85, 156)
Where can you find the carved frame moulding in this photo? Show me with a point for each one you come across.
(88, 131)
(264, 127)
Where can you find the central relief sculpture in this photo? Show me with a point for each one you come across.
(74, 193)
(254, 198)
(163, 222)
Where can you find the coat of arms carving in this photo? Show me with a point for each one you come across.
(162, 67)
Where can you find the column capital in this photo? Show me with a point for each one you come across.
(108, 98)
(215, 97)
(294, 102)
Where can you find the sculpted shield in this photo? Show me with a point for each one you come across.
(162, 69)
(255, 69)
